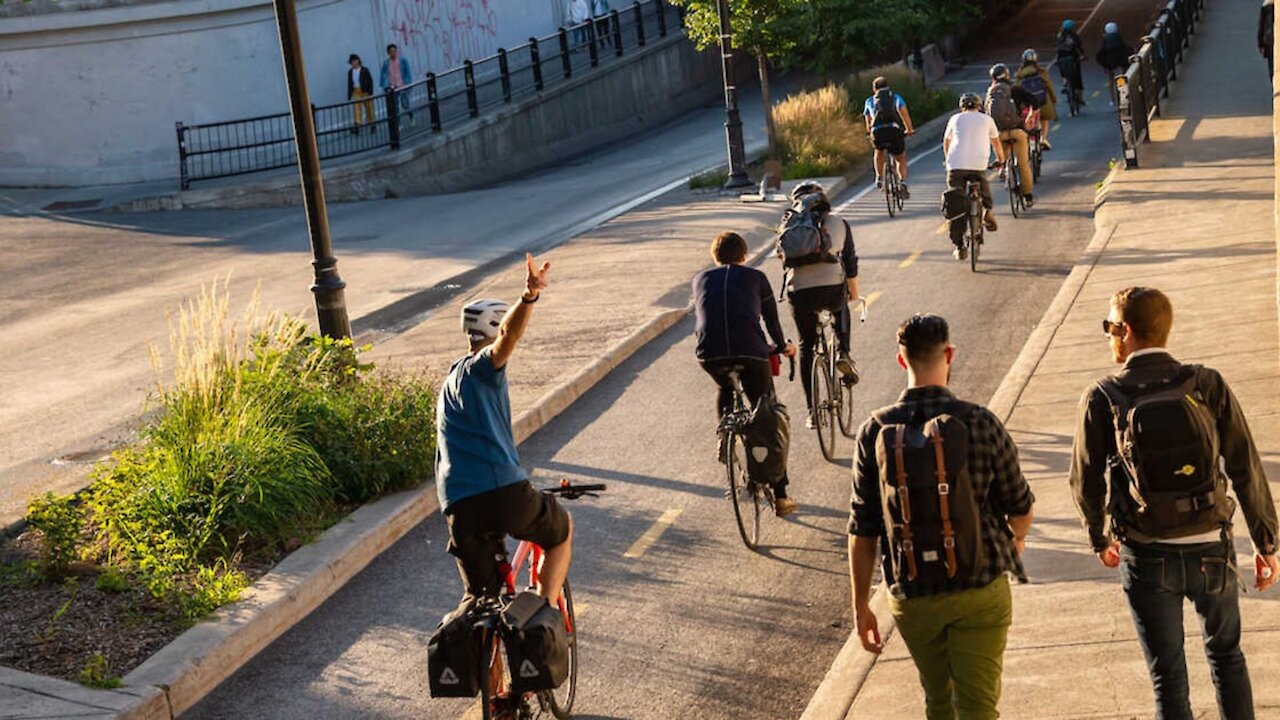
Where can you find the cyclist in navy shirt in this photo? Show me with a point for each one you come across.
(730, 301)
(484, 493)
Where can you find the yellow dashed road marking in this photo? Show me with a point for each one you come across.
(650, 536)
(1095, 94)
(873, 297)
(910, 259)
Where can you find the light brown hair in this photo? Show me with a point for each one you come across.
(1147, 311)
(728, 248)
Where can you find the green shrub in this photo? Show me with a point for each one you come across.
(709, 179)
(817, 133)
(60, 523)
(97, 673)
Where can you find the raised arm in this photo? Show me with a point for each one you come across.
(517, 319)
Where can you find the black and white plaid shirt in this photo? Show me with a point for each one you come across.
(999, 486)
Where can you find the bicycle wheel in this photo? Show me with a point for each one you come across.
(890, 187)
(824, 420)
(1037, 158)
(844, 404)
(559, 702)
(495, 674)
(746, 505)
(975, 240)
(1011, 184)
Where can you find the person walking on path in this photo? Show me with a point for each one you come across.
(579, 12)
(359, 87)
(1150, 445)
(970, 138)
(731, 302)
(1267, 34)
(1113, 56)
(940, 499)
(1035, 80)
(395, 75)
(485, 495)
(600, 11)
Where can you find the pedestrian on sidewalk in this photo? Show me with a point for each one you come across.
(1113, 56)
(1267, 34)
(939, 495)
(579, 13)
(1177, 426)
(828, 280)
(731, 302)
(359, 87)
(600, 11)
(395, 76)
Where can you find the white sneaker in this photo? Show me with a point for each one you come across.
(808, 423)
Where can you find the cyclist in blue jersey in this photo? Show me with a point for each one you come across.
(484, 493)
(888, 123)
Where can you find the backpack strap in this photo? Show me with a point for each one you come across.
(944, 503)
(899, 443)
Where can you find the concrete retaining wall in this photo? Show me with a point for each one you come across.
(662, 82)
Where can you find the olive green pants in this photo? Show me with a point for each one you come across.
(957, 641)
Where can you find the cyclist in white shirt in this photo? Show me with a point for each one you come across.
(970, 138)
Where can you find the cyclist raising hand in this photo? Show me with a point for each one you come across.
(484, 493)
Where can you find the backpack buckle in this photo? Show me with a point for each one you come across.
(907, 545)
(948, 542)
(944, 488)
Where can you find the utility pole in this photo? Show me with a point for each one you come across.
(331, 303)
(733, 122)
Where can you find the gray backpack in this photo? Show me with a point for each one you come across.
(801, 238)
(1002, 108)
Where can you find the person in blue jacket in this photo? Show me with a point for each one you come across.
(395, 76)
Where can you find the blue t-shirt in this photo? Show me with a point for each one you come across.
(475, 446)
(869, 109)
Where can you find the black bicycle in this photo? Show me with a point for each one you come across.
(497, 702)
(1012, 176)
(894, 197)
(831, 393)
(1035, 153)
(750, 498)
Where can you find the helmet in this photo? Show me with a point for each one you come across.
(481, 318)
(1111, 29)
(1068, 24)
(806, 188)
(999, 71)
(970, 101)
(1030, 56)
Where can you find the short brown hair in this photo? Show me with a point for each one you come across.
(923, 338)
(1147, 311)
(728, 248)
(880, 83)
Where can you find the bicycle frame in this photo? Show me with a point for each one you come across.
(534, 554)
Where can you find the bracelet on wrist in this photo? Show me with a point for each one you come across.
(525, 299)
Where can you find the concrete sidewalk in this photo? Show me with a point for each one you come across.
(1196, 221)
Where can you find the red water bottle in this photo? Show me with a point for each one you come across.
(775, 364)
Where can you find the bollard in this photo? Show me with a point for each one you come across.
(183, 178)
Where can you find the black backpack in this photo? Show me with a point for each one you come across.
(1165, 475)
(453, 656)
(1002, 108)
(884, 109)
(931, 512)
(1036, 86)
(767, 440)
(537, 642)
(801, 238)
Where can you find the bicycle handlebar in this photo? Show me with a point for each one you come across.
(862, 317)
(569, 491)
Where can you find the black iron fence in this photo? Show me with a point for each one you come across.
(436, 102)
(1151, 69)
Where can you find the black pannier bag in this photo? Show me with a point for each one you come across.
(537, 643)
(453, 656)
(768, 439)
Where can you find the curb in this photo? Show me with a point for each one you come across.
(839, 688)
(178, 676)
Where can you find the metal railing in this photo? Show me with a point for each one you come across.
(1140, 88)
(436, 102)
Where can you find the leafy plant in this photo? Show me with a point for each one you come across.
(97, 673)
(112, 581)
(60, 522)
(710, 179)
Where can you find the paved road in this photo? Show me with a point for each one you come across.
(697, 626)
(87, 293)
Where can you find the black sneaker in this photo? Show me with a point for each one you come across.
(1028, 200)
(906, 194)
(848, 369)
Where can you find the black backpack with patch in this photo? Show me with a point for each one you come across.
(931, 513)
(884, 109)
(1165, 476)
(801, 238)
(767, 440)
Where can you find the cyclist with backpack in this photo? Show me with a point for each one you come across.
(940, 500)
(1113, 56)
(1151, 445)
(484, 493)
(821, 273)
(1070, 59)
(1035, 80)
(1005, 104)
(731, 301)
(970, 138)
(888, 123)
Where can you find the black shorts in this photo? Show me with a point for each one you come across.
(479, 526)
(892, 139)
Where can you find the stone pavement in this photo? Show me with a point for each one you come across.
(1196, 221)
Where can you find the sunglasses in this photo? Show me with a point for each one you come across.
(1115, 329)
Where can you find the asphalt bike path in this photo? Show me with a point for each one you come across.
(678, 618)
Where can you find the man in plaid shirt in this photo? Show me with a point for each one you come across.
(955, 632)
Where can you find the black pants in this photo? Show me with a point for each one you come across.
(805, 306)
(757, 381)
(956, 180)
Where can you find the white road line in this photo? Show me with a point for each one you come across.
(863, 192)
(1089, 19)
(650, 536)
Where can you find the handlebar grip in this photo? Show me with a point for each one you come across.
(598, 487)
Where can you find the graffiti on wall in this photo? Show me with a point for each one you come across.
(439, 34)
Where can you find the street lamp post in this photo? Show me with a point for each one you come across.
(733, 122)
(331, 303)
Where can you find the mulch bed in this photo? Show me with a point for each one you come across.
(55, 627)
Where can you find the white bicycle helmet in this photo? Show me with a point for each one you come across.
(481, 318)
(1030, 56)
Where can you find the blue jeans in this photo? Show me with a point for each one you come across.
(1156, 579)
